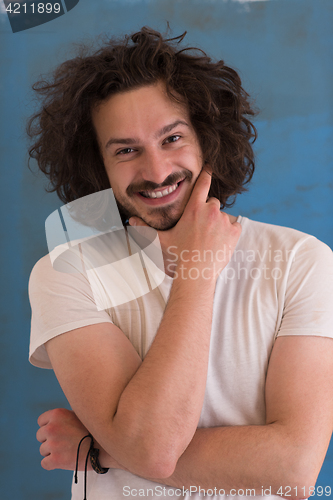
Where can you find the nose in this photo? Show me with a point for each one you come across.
(156, 166)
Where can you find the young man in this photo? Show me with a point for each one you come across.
(219, 380)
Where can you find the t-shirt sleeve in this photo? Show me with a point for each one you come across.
(308, 306)
(60, 302)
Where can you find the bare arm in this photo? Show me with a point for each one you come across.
(131, 416)
(289, 450)
(283, 456)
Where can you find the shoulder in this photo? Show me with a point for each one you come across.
(45, 276)
(286, 252)
(262, 234)
(42, 266)
(40, 272)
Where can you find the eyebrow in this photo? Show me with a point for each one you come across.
(133, 140)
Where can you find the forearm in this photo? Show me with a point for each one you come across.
(143, 413)
(240, 457)
(159, 410)
(258, 458)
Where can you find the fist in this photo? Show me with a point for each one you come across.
(60, 433)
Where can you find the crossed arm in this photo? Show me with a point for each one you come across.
(287, 451)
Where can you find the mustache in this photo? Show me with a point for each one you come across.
(150, 186)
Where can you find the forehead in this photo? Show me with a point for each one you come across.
(148, 105)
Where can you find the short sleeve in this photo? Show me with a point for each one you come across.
(308, 306)
(60, 302)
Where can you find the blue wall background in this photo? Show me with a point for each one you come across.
(283, 50)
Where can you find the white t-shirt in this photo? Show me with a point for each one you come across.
(278, 282)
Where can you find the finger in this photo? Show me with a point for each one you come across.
(233, 220)
(208, 168)
(201, 188)
(41, 435)
(214, 201)
(53, 415)
(44, 418)
(136, 221)
(47, 464)
(229, 219)
(44, 449)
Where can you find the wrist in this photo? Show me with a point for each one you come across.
(192, 277)
(104, 457)
(106, 460)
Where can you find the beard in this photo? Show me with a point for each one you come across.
(159, 218)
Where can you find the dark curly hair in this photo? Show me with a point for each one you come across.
(66, 147)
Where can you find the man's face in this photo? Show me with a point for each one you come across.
(151, 153)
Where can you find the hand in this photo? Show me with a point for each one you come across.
(60, 433)
(203, 238)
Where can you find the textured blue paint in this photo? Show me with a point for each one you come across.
(299, 190)
(283, 49)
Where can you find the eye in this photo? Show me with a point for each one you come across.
(125, 151)
(172, 138)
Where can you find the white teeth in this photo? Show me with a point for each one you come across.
(160, 194)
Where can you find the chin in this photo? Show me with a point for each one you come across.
(163, 220)
(162, 225)
(160, 219)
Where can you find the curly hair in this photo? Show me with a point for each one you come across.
(66, 146)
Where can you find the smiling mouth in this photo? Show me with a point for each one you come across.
(161, 192)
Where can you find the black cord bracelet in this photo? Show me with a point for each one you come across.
(94, 453)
